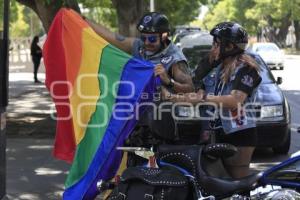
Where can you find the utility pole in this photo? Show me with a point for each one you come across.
(4, 42)
(152, 6)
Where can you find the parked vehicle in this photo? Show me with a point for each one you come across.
(270, 53)
(274, 124)
(196, 45)
(182, 31)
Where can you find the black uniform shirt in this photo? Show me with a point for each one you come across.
(246, 80)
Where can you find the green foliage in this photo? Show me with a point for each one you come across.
(252, 14)
(19, 28)
(218, 13)
(100, 11)
(179, 12)
(13, 12)
(231, 10)
(35, 26)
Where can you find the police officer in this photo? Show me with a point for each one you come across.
(234, 85)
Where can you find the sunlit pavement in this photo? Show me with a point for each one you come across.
(32, 172)
(264, 158)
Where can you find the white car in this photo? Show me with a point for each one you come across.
(270, 53)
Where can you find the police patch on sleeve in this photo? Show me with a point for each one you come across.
(147, 19)
(247, 80)
(166, 60)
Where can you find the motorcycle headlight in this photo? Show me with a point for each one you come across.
(271, 111)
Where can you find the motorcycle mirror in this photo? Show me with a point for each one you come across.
(279, 80)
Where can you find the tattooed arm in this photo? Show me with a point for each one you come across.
(123, 43)
(182, 79)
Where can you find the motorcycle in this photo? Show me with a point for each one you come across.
(202, 166)
(209, 180)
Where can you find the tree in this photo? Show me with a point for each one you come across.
(47, 9)
(126, 12)
(180, 12)
(35, 26)
(13, 12)
(101, 11)
(230, 10)
(129, 12)
(272, 17)
(19, 27)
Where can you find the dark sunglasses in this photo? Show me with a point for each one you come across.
(150, 38)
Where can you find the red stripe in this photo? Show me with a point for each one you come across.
(55, 64)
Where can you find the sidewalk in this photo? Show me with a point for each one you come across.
(32, 172)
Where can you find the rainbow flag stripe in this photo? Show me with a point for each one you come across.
(96, 89)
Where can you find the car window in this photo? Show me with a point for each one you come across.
(195, 54)
(265, 72)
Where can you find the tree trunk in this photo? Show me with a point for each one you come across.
(129, 13)
(46, 12)
(283, 30)
(297, 32)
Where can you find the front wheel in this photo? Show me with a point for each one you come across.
(285, 147)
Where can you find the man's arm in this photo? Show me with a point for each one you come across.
(123, 43)
(183, 80)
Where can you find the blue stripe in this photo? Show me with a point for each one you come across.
(107, 160)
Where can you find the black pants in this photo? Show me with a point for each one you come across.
(36, 64)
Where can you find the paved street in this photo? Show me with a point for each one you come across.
(32, 172)
(291, 88)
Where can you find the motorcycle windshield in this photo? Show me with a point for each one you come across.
(286, 174)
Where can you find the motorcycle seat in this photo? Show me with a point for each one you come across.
(226, 187)
(219, 150)
(192, 159)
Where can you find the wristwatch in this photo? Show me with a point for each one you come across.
(171, 83)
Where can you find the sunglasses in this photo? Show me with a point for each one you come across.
(150, 38)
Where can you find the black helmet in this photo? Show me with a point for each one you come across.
(232, 32)
(154, 22)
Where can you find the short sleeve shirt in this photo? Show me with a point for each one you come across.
(246, 80)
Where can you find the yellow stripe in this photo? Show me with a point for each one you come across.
(86, 89)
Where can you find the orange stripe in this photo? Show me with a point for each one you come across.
(72, 30)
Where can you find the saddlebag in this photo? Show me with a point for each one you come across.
(143, 183)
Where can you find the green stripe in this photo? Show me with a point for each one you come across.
(111, 66)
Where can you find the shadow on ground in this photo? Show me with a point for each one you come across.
(32, 171)
(30, 112)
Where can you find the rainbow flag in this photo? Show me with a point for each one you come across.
(96, 89)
